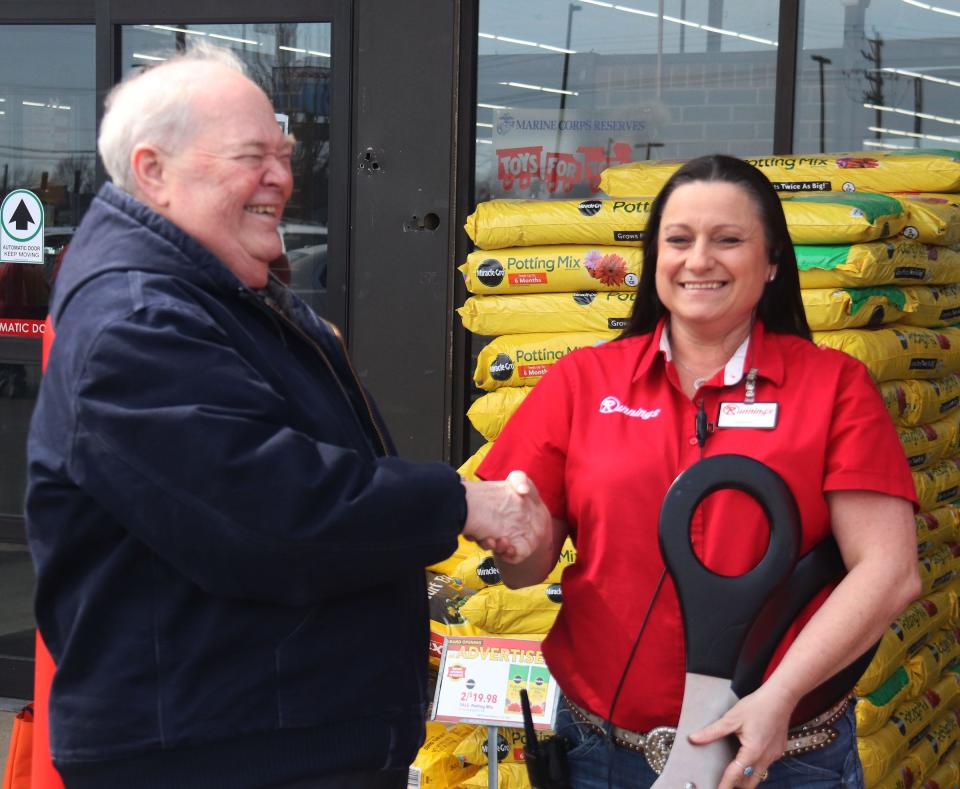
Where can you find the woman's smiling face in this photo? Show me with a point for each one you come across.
(712, 257)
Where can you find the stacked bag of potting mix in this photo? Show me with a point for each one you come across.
(877, 238)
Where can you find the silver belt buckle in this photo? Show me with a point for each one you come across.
(656, 746)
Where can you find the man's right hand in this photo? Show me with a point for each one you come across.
(508, 518)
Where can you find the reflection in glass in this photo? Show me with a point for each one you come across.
(47, 145)
(291, 62)
(878, 76)
(566, 89)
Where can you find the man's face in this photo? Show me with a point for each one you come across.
(228, 186)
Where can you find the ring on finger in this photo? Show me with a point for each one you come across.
(747, 769)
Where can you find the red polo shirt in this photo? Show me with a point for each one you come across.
(605, 433)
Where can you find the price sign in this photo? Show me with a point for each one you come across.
(481, 678)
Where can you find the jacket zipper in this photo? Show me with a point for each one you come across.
(356, 379)
(277, 313)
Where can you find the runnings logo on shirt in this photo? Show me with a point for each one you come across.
(611, 405)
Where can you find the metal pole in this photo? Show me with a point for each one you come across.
(563, 84)
(492, 771)
(917, 108)
(566, 57)
(659, 48)
(821, 62)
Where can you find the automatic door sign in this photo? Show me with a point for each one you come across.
(21, 228)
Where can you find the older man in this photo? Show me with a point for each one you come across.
(229, 556)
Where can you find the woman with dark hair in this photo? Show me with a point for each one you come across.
(716, 359)
(780, 306)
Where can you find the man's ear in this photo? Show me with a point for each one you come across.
(148, 165)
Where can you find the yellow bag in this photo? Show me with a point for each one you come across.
(490, 413)
(509, 776)
(936, 527)
(465, 550)
(907, 632)
(874, 709)
(523, 359)
(862, 171)
(932, 219)
(547, 312)
(914, 402)
(925, 665)
(552, 269)
(953, 589)
(510, 744)
(852, 308)
(905, 775)
(940, 737)
(880, 751)
(898, 351)
(937, 568)
(504, 611)
(892, 262)
(926, 445)
(470, 465)
(931, 306)
(944, 777)
(497, 224)
(840, 218)
(435, 766)
(479, 571)
(937, 484)
(921, 761)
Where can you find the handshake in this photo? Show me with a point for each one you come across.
(508, 518)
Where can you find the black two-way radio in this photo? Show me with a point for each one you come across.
(546, 760)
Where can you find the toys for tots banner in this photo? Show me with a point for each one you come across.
(538, 154)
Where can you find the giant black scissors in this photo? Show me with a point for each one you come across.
(733, 624)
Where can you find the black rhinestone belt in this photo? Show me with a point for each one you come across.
(655, 744)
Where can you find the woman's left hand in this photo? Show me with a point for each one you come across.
(760, 721)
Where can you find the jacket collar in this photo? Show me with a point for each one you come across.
(119, 233)
(761, 351)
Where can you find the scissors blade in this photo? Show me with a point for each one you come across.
(690, 766)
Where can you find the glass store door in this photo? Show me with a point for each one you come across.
(293, 63)
(47, 133)
(55, 77)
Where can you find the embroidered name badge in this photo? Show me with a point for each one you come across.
(761, 416)
(612, 405)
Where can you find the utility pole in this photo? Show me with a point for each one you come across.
(917, 108)
(874, 76)
(566, 57)
(821, 62)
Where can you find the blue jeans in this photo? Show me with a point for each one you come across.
(837, 765)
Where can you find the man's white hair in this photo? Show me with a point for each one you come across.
(154, 106)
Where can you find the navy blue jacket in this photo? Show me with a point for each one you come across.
(229, 560)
